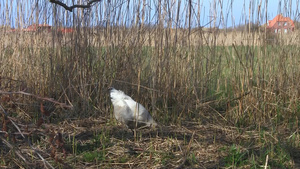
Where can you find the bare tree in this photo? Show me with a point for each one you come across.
(89, 4)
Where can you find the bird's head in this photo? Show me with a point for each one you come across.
(110, 89)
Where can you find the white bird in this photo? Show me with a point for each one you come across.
(129, 112)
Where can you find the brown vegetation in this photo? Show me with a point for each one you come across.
(223, 99)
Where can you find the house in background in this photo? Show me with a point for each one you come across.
(37, 27)
(45, 28)
(281, 24)
(66, 30)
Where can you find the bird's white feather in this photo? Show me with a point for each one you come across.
(128, 111)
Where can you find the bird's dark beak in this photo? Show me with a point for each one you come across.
(110, 88)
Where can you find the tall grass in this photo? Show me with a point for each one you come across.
(159, 54)
(163, 61)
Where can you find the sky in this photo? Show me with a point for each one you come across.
(220, 13)
(288, 8)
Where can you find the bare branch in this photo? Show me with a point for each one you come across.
(70, 8)
(63, 105)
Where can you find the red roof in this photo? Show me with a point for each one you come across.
(66, 30)
(35, 27)
(280, 18)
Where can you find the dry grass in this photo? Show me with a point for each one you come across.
(223, 99)
(192, 146)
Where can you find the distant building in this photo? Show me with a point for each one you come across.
(281, 24)
(45, 28)
(7, 29)
(66, 30)
(37, 27)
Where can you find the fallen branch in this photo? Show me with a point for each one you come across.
(225, 101)
(241, 95)
(63, 105)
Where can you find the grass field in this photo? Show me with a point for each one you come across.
(223, 99)
(218, 106)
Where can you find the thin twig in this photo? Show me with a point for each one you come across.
(186, 153)
(138, 85)
(16, 126)
(18, 153)
(63, 105)
(266, 164)
(14, 149)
